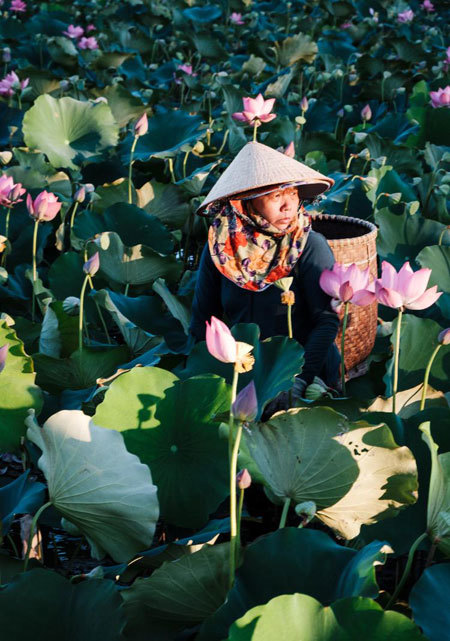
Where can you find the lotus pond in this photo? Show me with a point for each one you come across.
(142, 496)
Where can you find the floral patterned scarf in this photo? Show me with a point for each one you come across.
(248, 250)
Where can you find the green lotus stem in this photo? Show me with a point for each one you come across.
(396, 355)
(33, 301)
(239, 516)
(233, 520)
(427, 374)
(74, 211)
(80, 320)
(254, 130)
(441, 235)
(234, 383)
(284, 513)
(7, 211)
(289, 321)
(19, 101)
(133, 147)
(102, 320)
(344, 327)
(186, 156)
(32, 529)
(170, 163)
(407, 569)
(127, 287)
(347, 201)
(227, 132)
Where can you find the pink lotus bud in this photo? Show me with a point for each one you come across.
(141, 127)
(243, 479)
(3, 355)
(245, 407)
(304, 103)
(366, 113)
(220, 342)
(444, 336)
(18, 6)
(91, 266)
(44, 207)
(80, 195)
(290, 150)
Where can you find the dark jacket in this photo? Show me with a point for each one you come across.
(314, 323)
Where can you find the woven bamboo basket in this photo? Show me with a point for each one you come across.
(353, 241)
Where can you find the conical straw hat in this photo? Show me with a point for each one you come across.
(258, 165)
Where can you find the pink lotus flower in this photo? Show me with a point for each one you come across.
(440, 98)
(3, 355)
(141, 127)
(220, 342)
(91, 27)
(74, 31)
(428, 6)
(44, 207)
(88, 43)
(256, 110)
(243, 479)
(92, 265)
(11, 83)
(187, 69)
(366, 113)
(9, 192)
(18, 6)
(236, 18)
(406, 16)
(245, 407)
(347, 285)
(346, 25)
(405, 290)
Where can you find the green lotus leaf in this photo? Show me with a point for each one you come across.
(137, 339)
(123, 104)
(66, 275)
(132, 224)
(167, 132)
(174, 305)
(402, 237)
(20, 496)
(354, 472)
(137, 265)
(193, 184)
(80, 370)
(18, 391)
(178, 594)
(96, 484)
(208, 46)
(302, 617)
(277, 360)
(69, 131)
(95, 612)
(112, 193)
(165, 202)
(418, 340)
(429, 601)
(438, 513)
(295, 48)
(170, 425)
(290, 557)
(203, 14)
(437, 258)
(111, 59)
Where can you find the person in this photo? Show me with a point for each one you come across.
(260, 232)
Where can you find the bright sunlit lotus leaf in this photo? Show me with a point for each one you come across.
(354, 472)
(96, 484)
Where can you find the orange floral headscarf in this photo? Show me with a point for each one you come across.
(248, 250)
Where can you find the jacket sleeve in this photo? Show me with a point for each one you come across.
(316, 257)
(207, 300)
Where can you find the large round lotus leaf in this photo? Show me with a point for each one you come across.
(95, 610)
(165, 202)
(291, 558)
(179, 594)
(18, 391)
(277, 360)
(402, 237)
(429, 602)
(418, 340)
(79, 371)
(167, 132)
(402, 530)
(123, 104)
(301, 617)
(132, 224)
(354, 472)
(203, 14)
(96, 484)
(437, 258)
(69, 131)
(66, 275)
(170, 425)
(20, 496)
(137, 265)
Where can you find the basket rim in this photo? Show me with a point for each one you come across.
(370, 234)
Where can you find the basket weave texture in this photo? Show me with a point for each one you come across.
(353, 241)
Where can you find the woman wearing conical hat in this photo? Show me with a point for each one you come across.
(259, 233)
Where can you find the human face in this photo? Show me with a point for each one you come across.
(279, 207)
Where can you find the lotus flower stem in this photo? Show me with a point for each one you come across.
(441, 235)
(427, 374)
(127, 287)
(239, 514)
(170, 163)
(80, 320)
(344, 327)
(133, 147)
(7, 211)
(33, 301)
(407, 569)
(289, 320)
(231, 417)
(396, 356)
(185, 159)
(72, 217)
(284, 513)
(233, 519)
(32, 530)
(255, 126)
